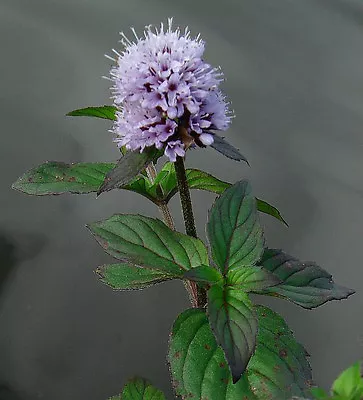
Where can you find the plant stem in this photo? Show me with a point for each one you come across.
(198, 294)
(190, 286)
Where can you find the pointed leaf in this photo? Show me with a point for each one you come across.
(223, 147)
(348, 381)
(303, 283)
(251, 278)
(234, 325)
(279, 368)
(233, 228)
(205, 274)
(127, 277)
(198, 367)
(131, 164)
(268, 209)
(149, 243)
(55, 177)
(139, 389)
(104, 112)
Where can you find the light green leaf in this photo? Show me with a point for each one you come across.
(130, 165)
(198, 367)
(234, 232)
(149, 243)
(104, 112)
(234, 324)
(348, 381)
(127, 277)
(251, 278)
(57, 178)
(205, 274)
(277, 370)
(303, 283)
(139, 389)
(319, 394)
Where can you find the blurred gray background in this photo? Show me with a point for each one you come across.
(294, 74)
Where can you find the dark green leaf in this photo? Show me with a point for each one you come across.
(139, 389)
(251, 278)
(143, 186)
(128, 277)
(130, 165)
(223, 147)
(104, 112)
(348, 382)
(303, 283)
(205, 274)
(233, 228)
(278, 369)
(149, 243)
(268, 209)
(198, 367)
(57, 177)
(234, 324)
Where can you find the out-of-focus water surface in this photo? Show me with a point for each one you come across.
(294, 76)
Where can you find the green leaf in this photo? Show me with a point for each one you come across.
(198, 367)
(57, 178)
(139, 389)
(233, 228)
(142, 185)
(251, 278)
(303, 283)
(319, 393)
(268, 209)
(149, 243)
(223, 147)
(234, 324)
(277, 370)
(204, 273)
(348, 381)
(130, 165)
(128, 277)
(104, 112)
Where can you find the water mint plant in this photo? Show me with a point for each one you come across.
(167, 102)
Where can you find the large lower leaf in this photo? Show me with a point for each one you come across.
(277, 370)
(57, 177)
(149, 243)
(130, 165)
(127, 277)
(139, 389)
(304, 283)
(198, 367)
(233, 321)
(104, 112)
(234, 232)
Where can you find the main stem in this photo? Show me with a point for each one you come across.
(187, 207)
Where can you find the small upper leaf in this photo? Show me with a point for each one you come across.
(104, 112)
(131, 164)
(304, 283)
(149, 243)
(223, 147)
(205, 274)
(139, 389)
(234, 324)
(127, 277)
(57, 177)
(319, 394)
(348, 382)
(233, 228)
(251, 278)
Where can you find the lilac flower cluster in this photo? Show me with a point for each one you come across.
(166, 95)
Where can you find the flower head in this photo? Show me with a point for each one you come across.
(166, 95)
